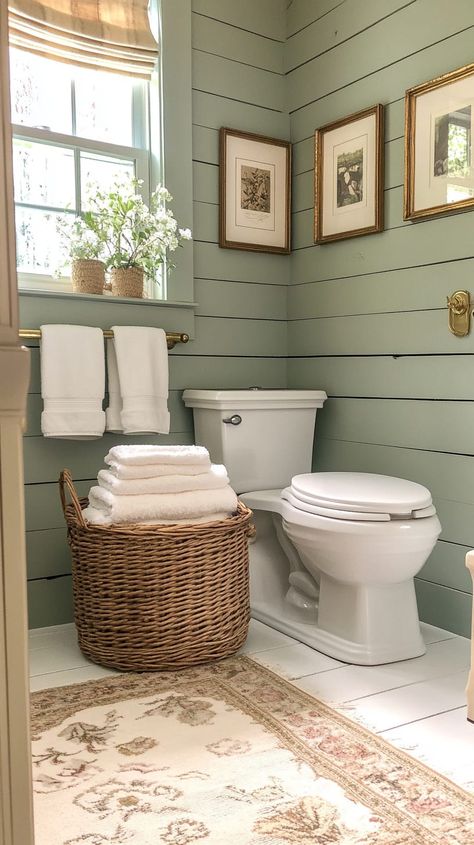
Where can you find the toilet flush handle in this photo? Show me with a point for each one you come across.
(235, 419)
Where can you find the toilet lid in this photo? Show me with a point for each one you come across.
(362, 493)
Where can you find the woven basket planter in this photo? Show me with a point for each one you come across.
(127, 281)
(88, 276)
(158, 597)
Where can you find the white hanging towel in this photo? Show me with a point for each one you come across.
(194, 503)
(72, 382)
(142, 363)
(148, 455)
(213, 480)
(113, 421)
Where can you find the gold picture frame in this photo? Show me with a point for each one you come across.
(348, 176)
(254, 192)
(439, 160)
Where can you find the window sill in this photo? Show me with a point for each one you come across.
(61, 293)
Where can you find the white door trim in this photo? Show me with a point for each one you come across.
(16, 811)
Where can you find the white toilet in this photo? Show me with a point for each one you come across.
(336, 552)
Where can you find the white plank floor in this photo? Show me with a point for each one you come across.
(418, 705)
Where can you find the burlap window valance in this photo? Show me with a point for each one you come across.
(112, 35)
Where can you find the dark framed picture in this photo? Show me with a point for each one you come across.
(348, 176)
(255, 192)
(439, 123)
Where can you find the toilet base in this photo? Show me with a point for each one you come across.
(365, 634)
(330, 644)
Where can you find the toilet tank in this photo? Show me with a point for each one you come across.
(264, 437)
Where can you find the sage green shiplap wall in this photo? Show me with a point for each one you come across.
(240, 325)
(367, 316)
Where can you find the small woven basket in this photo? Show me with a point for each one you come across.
(127, 281)
(158, 597)
(88, 276)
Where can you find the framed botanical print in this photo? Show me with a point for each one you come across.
(348, 176)
(255, 188)
(439, 166)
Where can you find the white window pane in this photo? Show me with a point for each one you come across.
(103, 172)
(40, 94)
(104, 107)
(38, 247)
(43, 174)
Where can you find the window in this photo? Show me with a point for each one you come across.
(73, 128)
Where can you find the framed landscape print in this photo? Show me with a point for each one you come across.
(255, 186)
(348, 176)
(439, 167)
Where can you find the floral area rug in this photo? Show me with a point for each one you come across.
(227, 754)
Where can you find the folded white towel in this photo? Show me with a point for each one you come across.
(113, 420)
(72, 382)
(142, 362)
(126, 472)
(173, 506)
(139, 455)
(215, 479)
(96, 517)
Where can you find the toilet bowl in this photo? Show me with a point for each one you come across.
(336, 553)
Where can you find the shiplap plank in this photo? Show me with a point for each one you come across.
(44, 459)
(206, 223)
(213, 36)
(267, 17)
(302, 13)
(303, 150)
(446, 476)
(345, 22)
(428, 242)
(446, 566)
(415, 28)
(237, 265)
(50, 602)
(415, 424)
(47, 553)
(423, 332)
(446, 608)
(224, 336)
(43, 506)
(405, 377)
(205, 185)
(189, 370)
(413, 289)
(227, 373)
(387, 85)
(246, 84)
(214, 111)
(205, 145)
(303, 220)
(217, 298)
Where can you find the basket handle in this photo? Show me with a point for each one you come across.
(65, 481)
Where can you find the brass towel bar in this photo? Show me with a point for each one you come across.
(171, 337)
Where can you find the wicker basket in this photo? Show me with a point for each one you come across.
(127, 281)
(158, 597)
(88, 276)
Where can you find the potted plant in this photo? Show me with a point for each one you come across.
(85, 248)
(136, 239)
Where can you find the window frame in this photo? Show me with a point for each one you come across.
(140, 154)
(170, 133)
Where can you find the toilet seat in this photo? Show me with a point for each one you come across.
(357, 496)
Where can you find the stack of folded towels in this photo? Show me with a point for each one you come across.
(160, 484)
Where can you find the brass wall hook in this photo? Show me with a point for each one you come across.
(459, 316)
